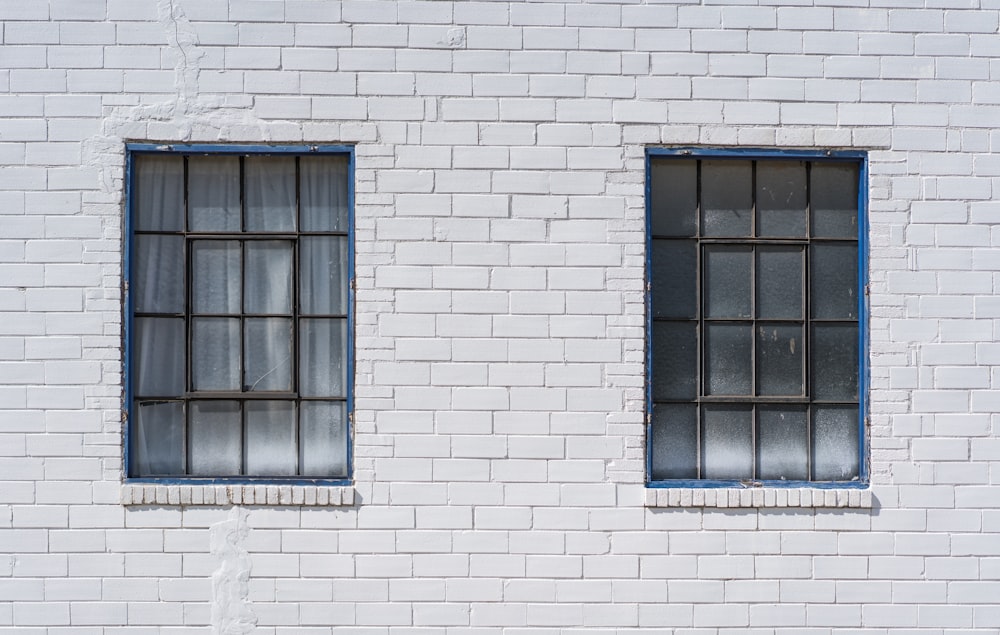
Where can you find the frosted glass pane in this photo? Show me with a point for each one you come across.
(726, 198)
(674, 278)
(727, 442)
(270, 442)
(834, 288)
(215, 433)
(781, 198)
(158, 359)
(782, 443)
(323, 431)
(323, 275)
(324, 194)
(835, 443)
(779, 282)
(159, 277)
(674, 443)
(323, 357)
(215, 276)
(270, 193)
(834, 201)
(215, 353)
(780, 357)
(675, 360)
(729, 359)
(835, 362)
(268, 346)
(673, 197)
(268, 277)
(159, 193)
(214, 193)
(727, 278)
(158, 438)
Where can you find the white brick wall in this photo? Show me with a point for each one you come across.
(499, 438)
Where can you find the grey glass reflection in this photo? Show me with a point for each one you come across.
(727, 442)
(159, 193)
(835, 443)
(158, 438)
(727, 281)
(215, 353)
(835, 362)
(782, 443)
(781, 198)
(780, 354)
(323, 438)
(834, 203)
(268, 277)
(214, 193)
(674, 278)
(726, 198)
(215, 434)
(779, 282)
(834, 273)
(268, 347)
(324, 193)
(728, 359)
(270, 441)
(673, 197)
(323, 357)
(675, 360)
(158, 360)
(323, 275)
(215, 276)
(159, 279)
(269, 183)
(674, 443)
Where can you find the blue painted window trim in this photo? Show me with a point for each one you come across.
(131, 151)
(858, 157)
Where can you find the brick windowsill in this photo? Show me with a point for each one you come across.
(758, 497)
(296, 495)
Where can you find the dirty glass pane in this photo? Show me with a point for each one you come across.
(674, 278)
(727, 278)
(215, 276)
(268, 346)
(323, 438)
(215, 353)
(158, 438)
(158, 359)
(779, 282)
(726, 198)
(323, 357)
(674, 441)
(270, 442)
(781, 198)
(159, 193)
(835, 443)
(782, 443)
(215, 431)
(780, 355)
(324, 193)
(214, 193)
(159, 276)
(268, 277)
(729, 359)
(673, 204)
(835, 362)
(727, 442)
(270, 193)
(834, 287)
(323, 275)
(675, 360)
(834, 200)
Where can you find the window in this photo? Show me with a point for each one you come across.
(238, 312)
(755, 317)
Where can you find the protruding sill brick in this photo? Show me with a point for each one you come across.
(183, 495)
(758, 497)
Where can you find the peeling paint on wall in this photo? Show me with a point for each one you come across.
(232, 613)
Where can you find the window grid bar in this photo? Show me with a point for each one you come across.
(807, 336)
(699, 330)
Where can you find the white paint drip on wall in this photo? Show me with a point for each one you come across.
(232, 613)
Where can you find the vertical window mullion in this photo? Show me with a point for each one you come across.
(807, 323)
(295, 316)
(188, 290)
(700, 323)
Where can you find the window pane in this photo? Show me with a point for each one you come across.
(214, 193)
(781, 198)
(159, 193)
(324, 438)
(215, 353)
(324, 193)
(270, 442)
(158, 438)
(675, 360)
(835, 362)
(215, 276)
(727, 276)
(779, 282)
(159, 357)
(159, 276)
(674, 278)
(268, 346)
(673, 201)
(675, 441)
(835, 443)
(834, 200)
(834, 288)
(727, 442)
(215, 433)
(268, 276)
(726, 198)
(782, 443)
(323, 357)
(779, 359)
(270, 193)
(323, 275)
(729, 359)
